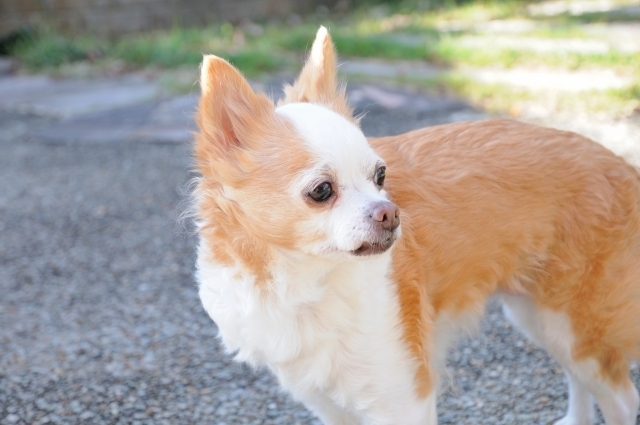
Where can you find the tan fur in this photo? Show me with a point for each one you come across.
(500, 205)
(317, 82)
(240, 139)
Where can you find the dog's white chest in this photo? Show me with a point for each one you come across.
(339, 335)
(299, 316)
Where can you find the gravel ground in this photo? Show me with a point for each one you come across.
(100, 322)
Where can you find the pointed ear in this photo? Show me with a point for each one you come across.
(230, 114)
(318, 81)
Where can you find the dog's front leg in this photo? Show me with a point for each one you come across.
(328, 411)
(412, 412)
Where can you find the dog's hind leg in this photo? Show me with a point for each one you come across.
(580, 411)
(328, 412)
(523, 313)
(552, 331)
(618, 403)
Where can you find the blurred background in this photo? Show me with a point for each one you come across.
(552, 61)
(99, 316)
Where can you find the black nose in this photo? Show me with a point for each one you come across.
(385, 215)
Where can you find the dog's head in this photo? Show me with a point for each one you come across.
(300, 176)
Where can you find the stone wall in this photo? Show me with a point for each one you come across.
(113, 17)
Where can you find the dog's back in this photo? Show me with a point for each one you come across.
(546, 218)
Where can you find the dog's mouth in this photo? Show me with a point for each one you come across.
(371, 248)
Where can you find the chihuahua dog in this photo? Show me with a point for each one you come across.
(347, 265)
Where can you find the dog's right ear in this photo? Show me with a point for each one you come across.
(318, 81)
(230, 114)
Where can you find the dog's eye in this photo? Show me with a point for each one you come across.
(322, 192)
(380, 175)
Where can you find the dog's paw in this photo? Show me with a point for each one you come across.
(573, 420)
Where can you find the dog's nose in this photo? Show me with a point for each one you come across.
(386, 215)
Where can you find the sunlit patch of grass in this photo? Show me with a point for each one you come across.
(608, 104)
(504, 98)
(625, 100)
(520, 101)
(614, 15)
(453, 52)
(557, 30)
(491, 97)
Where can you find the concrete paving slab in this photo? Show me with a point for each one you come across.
(111, 126)
(132, 109)
(366, 96)
(176, 110)
(388, 69)
(46, 96)
(386, 99)
(154, 122)
(7, 66)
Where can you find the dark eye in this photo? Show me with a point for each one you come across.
(379, 177)
(322, 192)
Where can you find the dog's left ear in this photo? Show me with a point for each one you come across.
(231, 116)
(318, 81)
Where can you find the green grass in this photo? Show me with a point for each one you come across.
(403, 32)
(558, 30)
(451, 51)
(178, 47)
(358, 43)
(52, 50)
